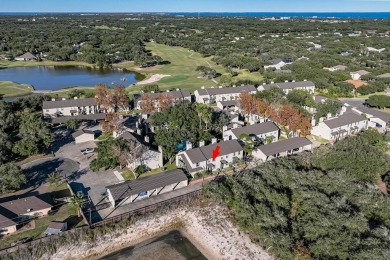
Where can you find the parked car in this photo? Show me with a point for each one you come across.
(87, 151)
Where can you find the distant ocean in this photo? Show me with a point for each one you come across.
(372, 15)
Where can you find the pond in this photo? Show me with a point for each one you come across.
(170, 246)
(58, 77)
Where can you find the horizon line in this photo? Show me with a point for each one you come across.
(227, 12)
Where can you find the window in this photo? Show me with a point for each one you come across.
(197, 164)
(47, 110)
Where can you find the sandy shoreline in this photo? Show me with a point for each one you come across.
(152, 79)
(208, 228)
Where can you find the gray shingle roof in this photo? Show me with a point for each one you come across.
(229, 103)
(64, 119)
(227, 90)
(21, 206)
(7, 218)
(376, 113)
(284, 145)
(175, 94)
(290, 85)
(27, 55)
(81, 132)
(361, 72)
(256, 129)
(83, 102)
(126, 189)
(345, 119)
(386, 75)
(205, 153)
(339, 67)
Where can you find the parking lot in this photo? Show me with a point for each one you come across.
(90, 184)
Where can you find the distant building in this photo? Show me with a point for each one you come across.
(372, 49)
(384, 76)
(212, 95)
(356, 75)
(278, 64)
(309, 86)
(338, 68)
(176, 96)
(28, 56)
(282, 148)
(200, 159)
(146, 187)
(71, 107)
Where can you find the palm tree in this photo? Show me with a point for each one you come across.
(78, 202)
(204, 114)
(54, 178)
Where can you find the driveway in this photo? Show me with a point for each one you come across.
(38, 171)
(91, 184)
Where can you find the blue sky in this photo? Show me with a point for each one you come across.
(195, 6)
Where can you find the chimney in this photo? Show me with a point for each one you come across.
(75, 97)
(178, 89)
(329, 115)
(63, 98)
(234, 86)
(144, 116)
(286, 81)
(146, 139)
(224, 128)
(220, 87)
(53, 99)
(214, 140)
(313, 122)
(139, 131)
(167, 90)
(151, 91)
(201, 143)
(202, 87)
(272, 82)
(321, 119)
(305, 80)
(212, 87)
(293, 80)
(188, 145)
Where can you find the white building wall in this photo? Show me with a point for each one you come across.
(322, 130)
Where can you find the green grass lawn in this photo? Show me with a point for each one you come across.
(182, 69)
(128, 174)
(12, 89)
(11, 64)
(40, 226)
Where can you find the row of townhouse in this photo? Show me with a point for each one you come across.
(71, 107)
(212, 95)
(88, 106)
(176, 96)
(335, 127)
(286, 86)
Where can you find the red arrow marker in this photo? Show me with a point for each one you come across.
(216, 152)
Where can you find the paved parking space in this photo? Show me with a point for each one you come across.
(91, 184)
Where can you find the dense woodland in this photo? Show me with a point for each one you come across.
(236, 43)
(325, 205)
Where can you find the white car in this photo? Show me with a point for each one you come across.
(87, 151)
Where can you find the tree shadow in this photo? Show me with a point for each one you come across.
(37, 174)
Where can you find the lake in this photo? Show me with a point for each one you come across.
(58, 77)
(170, 246)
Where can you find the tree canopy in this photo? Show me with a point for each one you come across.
(307, 207)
